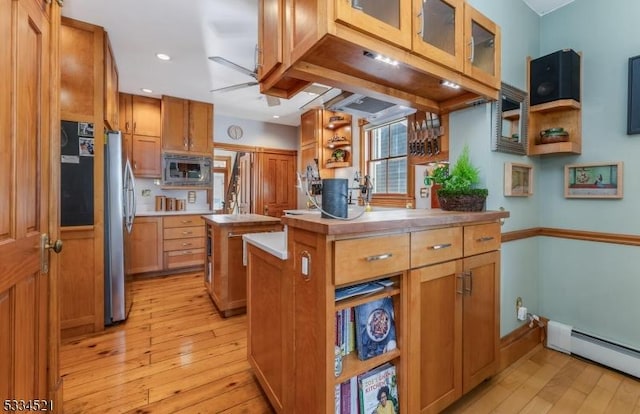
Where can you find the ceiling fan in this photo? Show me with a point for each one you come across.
(271, 100)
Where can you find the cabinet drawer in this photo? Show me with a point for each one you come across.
(183, 221)
(183, 232)
(361, 259)
(184, 258)
(481, 238)
(182, 244)
(435, 246)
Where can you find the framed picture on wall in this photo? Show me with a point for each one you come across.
(518, 179)
(633, 103)
(596, 180)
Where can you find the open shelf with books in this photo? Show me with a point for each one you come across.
(368, 340)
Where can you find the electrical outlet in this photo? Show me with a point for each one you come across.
(146, 192)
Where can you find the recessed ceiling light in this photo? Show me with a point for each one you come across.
(146, 90)
(163, 56)
(276, 116)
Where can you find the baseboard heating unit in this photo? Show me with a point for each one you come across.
(565, 339)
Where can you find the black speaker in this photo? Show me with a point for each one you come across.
(555, 76)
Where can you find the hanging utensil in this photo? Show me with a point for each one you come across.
(436, 134)
(429, 134)
(424, 137)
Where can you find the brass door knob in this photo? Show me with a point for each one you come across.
(56, 246)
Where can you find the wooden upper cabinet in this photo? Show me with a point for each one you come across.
(126, 113)
(111, 98)
(175, 112)
(388, 20)
(146, 116)
(200, 127)
(187, 125)
(270, 40)
(145, 158)
(310, 127)
(482, 44)
(439, 33)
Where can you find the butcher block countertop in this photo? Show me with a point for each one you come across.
(239, 219)
(390, 220)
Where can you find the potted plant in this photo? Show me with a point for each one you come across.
(458, 191)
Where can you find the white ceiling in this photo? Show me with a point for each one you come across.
(190, 31)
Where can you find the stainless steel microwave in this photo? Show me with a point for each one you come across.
(186, 170)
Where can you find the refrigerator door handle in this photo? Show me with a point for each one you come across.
(130, 196)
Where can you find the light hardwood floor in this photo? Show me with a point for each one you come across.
(176, 354)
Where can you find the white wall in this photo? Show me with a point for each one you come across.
(257, 134)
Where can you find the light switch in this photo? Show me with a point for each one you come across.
(305, 265)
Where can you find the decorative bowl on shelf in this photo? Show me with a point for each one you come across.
(551, 135)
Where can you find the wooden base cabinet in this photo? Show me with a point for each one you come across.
(183, 241)
(455, 341)
(145, 245)
(225, 275)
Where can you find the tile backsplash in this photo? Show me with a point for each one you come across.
(147, 190)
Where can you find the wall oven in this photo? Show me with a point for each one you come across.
(186, 170)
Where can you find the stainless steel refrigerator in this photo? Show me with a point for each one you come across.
(120, 209)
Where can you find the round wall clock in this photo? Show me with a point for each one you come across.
(234, 132)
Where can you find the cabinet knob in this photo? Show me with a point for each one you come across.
(184, 142)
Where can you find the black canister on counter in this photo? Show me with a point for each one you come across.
(334, 197)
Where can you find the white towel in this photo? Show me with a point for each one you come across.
(559, 336)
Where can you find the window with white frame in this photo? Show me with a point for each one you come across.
(388, 163)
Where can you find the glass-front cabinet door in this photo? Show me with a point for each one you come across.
(482, 41)
(389, 20)
(438, 34)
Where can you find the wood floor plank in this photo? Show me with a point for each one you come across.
(626, 397)
(225, 400)
(257, 405)
(528, 390)
(601, 395)
(569, 402)
(537, 405)
(184, 400)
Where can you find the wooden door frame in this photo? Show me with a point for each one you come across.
(54, 381)
(255, 170)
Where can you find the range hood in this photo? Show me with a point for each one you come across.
(375, 111)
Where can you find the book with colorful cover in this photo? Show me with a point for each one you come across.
(378, 390)
(375, 328)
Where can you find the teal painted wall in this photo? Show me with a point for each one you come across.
(592, 286)
(588, 285)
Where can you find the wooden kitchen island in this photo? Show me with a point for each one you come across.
(225, 273)
(445, 274)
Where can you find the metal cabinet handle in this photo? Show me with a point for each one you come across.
(439, 246)
(421, 23)
(134, 126)
(187, 232)
(187, 252)
(126, 126)
(383, 256)
(186, 221)
(184, 142)
(484, 239)
(464, 287)
(473, 50)
(460, 277)
(186, 244)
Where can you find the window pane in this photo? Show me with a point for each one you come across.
(218, 190)
(380, 143)
(378, 171)
(398, 141)
(397, 177)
